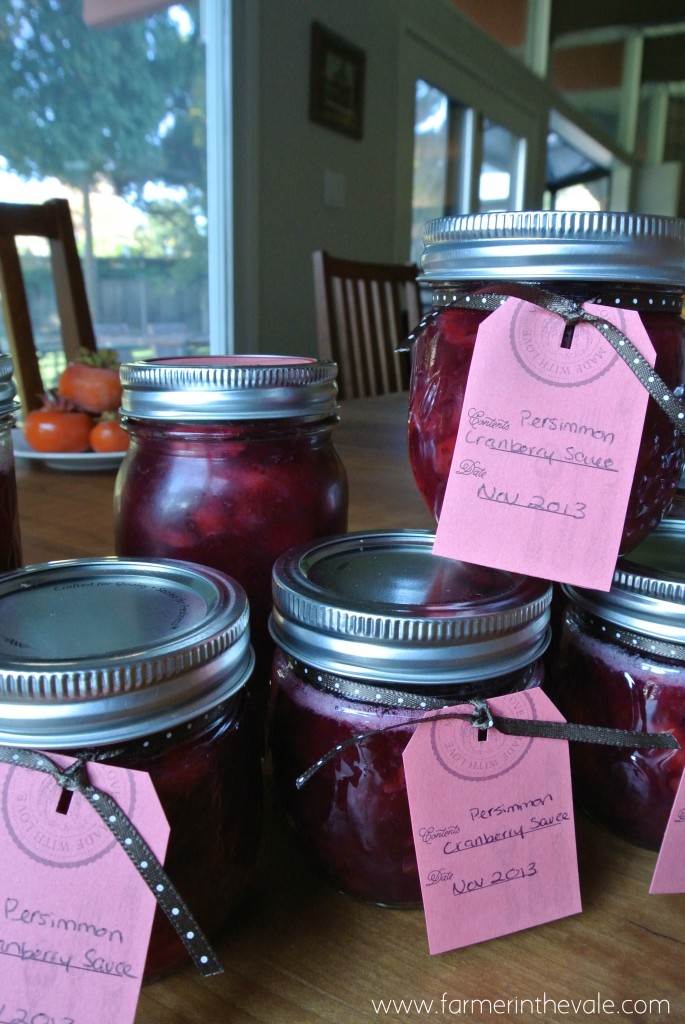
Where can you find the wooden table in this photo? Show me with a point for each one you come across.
(300, 953)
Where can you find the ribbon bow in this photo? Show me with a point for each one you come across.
(75, 779)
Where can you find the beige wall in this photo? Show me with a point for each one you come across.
(292, 155)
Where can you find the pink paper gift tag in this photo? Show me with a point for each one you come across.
(546, 447)
(493, 825)
(669, 874)
(75, 914)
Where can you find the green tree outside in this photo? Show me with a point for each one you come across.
(124, 104)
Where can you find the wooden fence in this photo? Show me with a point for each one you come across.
(141, 308)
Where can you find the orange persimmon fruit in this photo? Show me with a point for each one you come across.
(92, 383)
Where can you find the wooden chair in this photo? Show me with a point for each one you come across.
(364, 311)
(51, 220)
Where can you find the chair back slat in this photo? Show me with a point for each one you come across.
(19, 328)
(369, 370)
(363, 313)
(50, 220)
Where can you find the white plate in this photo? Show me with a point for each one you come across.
(72, 462)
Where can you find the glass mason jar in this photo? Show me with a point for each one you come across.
(231, 462)
(621, 663)
(10, 541)
(617, 260)
(143, 665)
(676, 510)
(372, 631)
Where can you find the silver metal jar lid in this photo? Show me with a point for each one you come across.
(8, 389)
(211, 388)
(97, 651)
(560, 245)
(647, 594)
(381, 606)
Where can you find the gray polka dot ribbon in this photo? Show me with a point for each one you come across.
(481, 718)
(572, 313)
(605, 630)
(75, 778)
(380, 695)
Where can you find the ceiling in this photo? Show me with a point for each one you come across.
(661, 22)
(586, 58)
(583, 24)
(576, 24)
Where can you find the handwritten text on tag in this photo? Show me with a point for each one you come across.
(75, 915)
(546, 448)
(492, 817)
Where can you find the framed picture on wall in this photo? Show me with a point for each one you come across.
(336, 94)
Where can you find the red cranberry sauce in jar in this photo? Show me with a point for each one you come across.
(603, 258)
(676, 510)
(621, 664)
(10, 542)
(353, 817)
(145, 665)
(207, 775)
(231, 463)
(373, 630)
